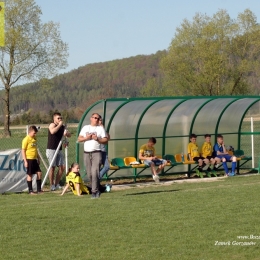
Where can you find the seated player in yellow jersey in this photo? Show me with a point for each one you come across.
(147, 156)
(194, 155)
(75, 182)
(207, 152)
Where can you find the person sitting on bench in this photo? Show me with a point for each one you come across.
(147, 156)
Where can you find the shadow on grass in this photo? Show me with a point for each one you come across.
(150, 192)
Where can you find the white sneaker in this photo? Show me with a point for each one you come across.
(156, 178)
(52, 187)
(58, 187)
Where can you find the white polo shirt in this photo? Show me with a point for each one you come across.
(92, 145)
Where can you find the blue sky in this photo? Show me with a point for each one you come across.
(104, 30)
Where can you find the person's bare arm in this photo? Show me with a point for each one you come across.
(77, 189)
(24, 158)
(102, 140)
(55, 128)
(224, 151)
(141, 157)
(84, 138)
(65, 188)
(67, 133)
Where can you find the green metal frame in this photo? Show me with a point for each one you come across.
(167, 121)
(181, 100)
(221, 114)
(241, 121)
(190, 168)
(135, 170)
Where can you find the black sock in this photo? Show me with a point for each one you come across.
(39, 183)
(30, 189)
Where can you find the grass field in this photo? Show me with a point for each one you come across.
(181, 220)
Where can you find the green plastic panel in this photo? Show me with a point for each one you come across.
(231, 118)
(126, 119)
(157, 114)
(207, 117)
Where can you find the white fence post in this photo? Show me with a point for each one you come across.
(252, 142)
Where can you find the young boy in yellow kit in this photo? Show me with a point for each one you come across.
(31, 159)
(194, 155)
(207, 152)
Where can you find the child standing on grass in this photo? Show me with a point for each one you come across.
(31, 159)
(75, 182)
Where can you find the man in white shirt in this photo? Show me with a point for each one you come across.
(93, 136)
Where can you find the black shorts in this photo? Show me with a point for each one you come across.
(198, 158)
(210, 157)
(33, 166)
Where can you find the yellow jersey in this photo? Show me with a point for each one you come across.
(74, 177)
(206, 149)
(147, 151)
(29, 144)
(193, 150)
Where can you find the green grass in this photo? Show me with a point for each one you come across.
(177, 221)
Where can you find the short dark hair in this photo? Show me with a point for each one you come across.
(207, 135)
(219, 136)
(33, 128)
(152, 139)
(56, 114)
(193, 136)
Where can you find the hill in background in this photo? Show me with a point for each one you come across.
(76, 90)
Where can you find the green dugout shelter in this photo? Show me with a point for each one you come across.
(131, 121)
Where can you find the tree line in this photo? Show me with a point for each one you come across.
(74, 91)
(209, 55)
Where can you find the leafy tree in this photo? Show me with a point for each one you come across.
(213, 55)
(32, 49)
(153, 88)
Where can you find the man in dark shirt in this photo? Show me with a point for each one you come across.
(55, 133)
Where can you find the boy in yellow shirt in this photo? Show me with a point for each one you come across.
(194, 155)
(147, 156)
(31, 159)
(207, 150)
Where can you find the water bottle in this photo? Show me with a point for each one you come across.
(182, 157)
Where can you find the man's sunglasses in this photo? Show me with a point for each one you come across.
(95, 117)
(59, 118)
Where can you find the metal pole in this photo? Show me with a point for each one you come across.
(54, 157)
(66, 149)
(44, 163)
(66, 155)
(252, 142)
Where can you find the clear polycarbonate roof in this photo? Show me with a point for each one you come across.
(132, 121)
